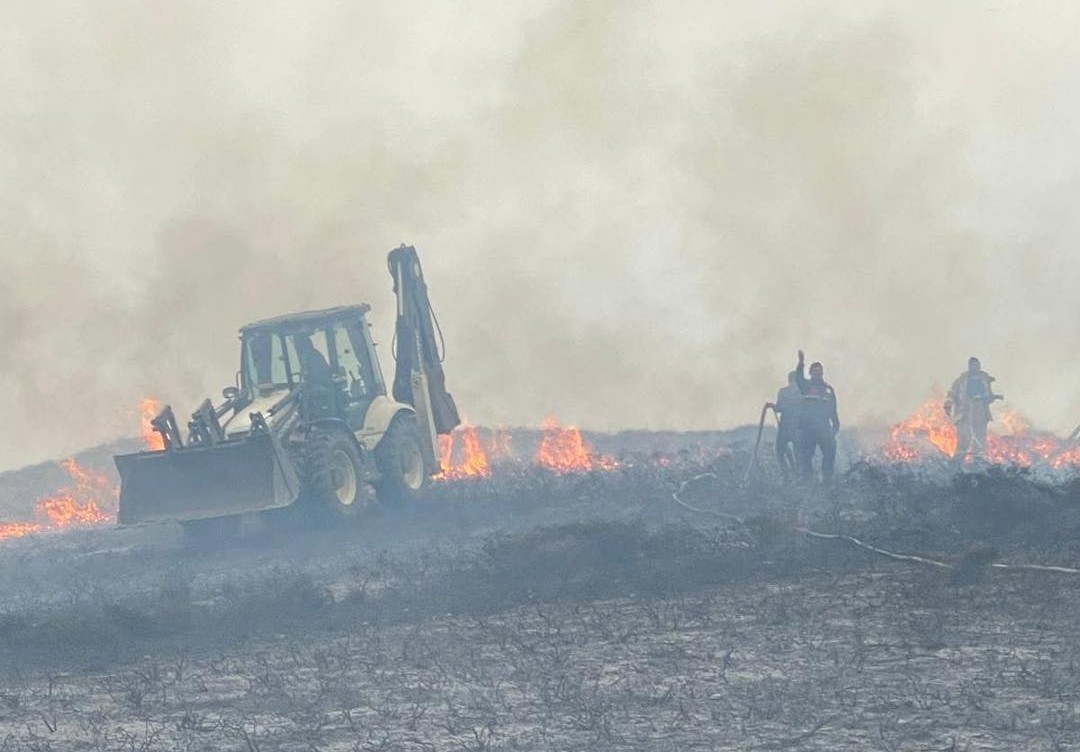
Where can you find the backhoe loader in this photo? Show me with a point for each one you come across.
(308, 423)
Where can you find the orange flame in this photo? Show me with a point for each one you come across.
(1014, 422)
(80, 504)
(472, 459)
(928, 432)
(1068, 458)
(148, 410)
(564, 450)
(928, 427)
(89, 500)
(18, 529)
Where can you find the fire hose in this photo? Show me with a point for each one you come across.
(757, 442)
(850, 540)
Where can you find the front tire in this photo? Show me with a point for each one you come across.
(400, 461)
(333, 477)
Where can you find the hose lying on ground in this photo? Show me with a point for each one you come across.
(692, 508)
(906, 558)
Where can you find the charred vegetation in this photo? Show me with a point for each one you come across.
(530, 609)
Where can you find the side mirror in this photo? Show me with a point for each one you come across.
(230, 393)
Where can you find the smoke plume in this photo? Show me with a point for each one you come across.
(631, 214)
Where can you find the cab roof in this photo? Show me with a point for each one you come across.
(306, 319)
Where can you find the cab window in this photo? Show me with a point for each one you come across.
(264, 364)
(309, 354)
(353, 364)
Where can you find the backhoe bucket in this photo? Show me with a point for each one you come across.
(199, 482)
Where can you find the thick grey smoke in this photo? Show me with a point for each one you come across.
(631, 214)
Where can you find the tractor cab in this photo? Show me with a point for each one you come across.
(330, 352)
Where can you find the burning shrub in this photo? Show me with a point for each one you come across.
(929, 434)
(90, 499)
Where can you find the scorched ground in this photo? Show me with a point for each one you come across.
(530, 608)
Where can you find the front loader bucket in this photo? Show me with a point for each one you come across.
(216, 480)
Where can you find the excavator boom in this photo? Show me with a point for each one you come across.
(418, 341)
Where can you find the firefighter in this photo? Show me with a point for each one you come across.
(787, 406)
(968, 405)
(818, 420)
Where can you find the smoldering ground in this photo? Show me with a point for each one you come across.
(631, 214)
(539, 611)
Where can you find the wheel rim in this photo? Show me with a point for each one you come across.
(412, 467)
(343, 473)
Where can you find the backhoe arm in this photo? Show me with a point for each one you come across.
(418, 343)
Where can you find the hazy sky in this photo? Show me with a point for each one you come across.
(631, 213)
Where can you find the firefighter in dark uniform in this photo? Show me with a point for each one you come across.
(818, 420)
(787, 406)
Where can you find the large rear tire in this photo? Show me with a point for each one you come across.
(333, 486)
(400, 460)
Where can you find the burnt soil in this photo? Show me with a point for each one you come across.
(530, 611)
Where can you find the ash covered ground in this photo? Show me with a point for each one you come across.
(537, 611)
